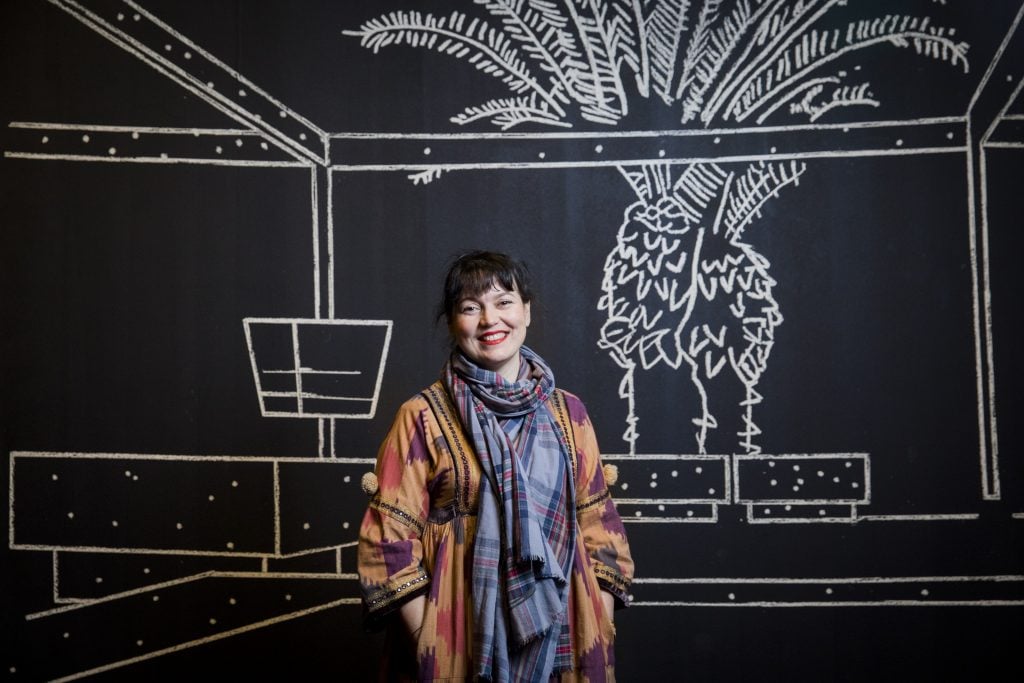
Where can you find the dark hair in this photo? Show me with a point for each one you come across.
(475, 272)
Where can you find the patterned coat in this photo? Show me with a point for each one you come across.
(418, 532)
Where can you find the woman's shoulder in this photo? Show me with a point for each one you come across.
(574, 404)
(417, 403)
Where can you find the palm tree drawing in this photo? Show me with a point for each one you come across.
(683, 286)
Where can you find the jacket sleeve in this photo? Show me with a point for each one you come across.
(390, 553)
(599, 521)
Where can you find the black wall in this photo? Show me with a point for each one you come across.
(124, 283)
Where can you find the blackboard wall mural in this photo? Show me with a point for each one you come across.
(776, 250)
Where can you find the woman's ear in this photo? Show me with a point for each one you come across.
(527, 306)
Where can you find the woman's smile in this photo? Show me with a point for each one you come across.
(493, 338)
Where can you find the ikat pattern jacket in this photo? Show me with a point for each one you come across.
(418, 532)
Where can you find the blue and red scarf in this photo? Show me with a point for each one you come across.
(526, 523)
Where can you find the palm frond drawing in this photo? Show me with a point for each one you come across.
(740, 60)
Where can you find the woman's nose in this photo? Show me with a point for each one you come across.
(487, 316)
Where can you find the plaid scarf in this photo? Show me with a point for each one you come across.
(526, 523)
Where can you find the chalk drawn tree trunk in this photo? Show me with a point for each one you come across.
(679, 261)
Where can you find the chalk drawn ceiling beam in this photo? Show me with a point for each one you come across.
(1008, 133)
(142, 35)
(142, 144)
(404, 152)
(1000, 84)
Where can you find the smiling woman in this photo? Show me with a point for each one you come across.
(491, 547)
(489, 326)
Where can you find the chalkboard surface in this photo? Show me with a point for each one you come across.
(774, 244)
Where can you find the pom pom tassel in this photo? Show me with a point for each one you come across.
(611, 474)
(369, 483)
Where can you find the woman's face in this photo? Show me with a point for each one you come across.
(490, 328)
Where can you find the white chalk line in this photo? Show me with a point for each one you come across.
(150, 55)
(986, 77)
(308, 394)
(321, 321)
(800, 501)
(321, 415)
(231, 72)
(121, 550)
(836, 603)
(191, 161)
(314, 203)
(666, 456)
(148, 130)
(184, 79)
(953, 517)
(989, 486)
(986, 423)
(312, 371)
(993, 458)
(183, 457)
(765, 580)
(10, 501)
(277, 510)
(804, 456)
(314, 551)
(120, 595)
(689, 132)
(713, 519)
(669, 501)
(596, 163)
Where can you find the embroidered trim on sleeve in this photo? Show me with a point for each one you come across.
(399, 513)
(612, 580)
(593, 501)
(385, 597)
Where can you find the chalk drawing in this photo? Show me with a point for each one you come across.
(288, 386)
(679, 248)
(737, 74)
(734, 64)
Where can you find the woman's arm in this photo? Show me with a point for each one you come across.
(390, 553)
(608, 600)
(412, 616)
(603, 533)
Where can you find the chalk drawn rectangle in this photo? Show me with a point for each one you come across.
(633, 511)
(789, 514)
(671, 477)
(321, 504)
(187, 504)
(315, 368)
(813, 478)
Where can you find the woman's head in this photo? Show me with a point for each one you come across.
(486, 303)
